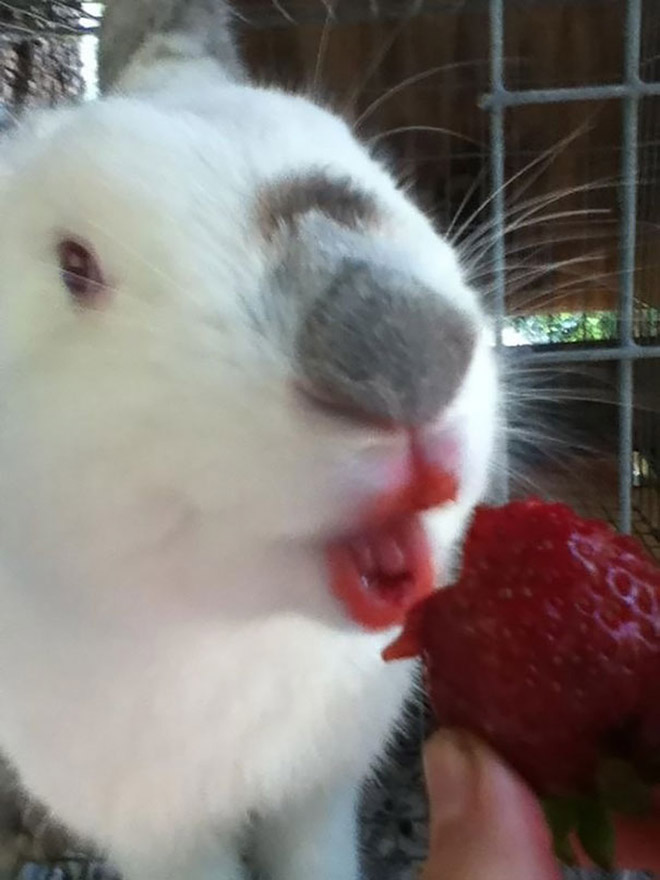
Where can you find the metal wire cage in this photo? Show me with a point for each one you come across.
(631, 93)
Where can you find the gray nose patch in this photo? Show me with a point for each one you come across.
(385, 345)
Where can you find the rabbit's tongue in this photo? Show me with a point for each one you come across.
(380, 572)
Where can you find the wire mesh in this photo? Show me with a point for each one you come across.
(630, 93)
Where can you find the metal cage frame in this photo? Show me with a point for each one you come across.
(630, 93)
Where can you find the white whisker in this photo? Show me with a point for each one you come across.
(283, 12)
(527, 222)
(323, 43)
(538, 202)
(435, 129)
(380, 56)
(406, 83)
(544, 160)
(476, 183)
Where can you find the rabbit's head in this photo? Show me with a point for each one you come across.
(226, 335)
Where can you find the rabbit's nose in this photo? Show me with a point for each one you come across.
(384, 346)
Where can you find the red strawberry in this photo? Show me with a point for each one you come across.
(548, 647)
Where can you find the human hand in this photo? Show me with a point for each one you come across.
(485, 824)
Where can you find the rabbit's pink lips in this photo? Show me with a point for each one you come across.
(381, 570)
(379, 575)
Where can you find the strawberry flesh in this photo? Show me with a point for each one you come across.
(548, 645)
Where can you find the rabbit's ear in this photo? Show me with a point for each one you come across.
(145, 44)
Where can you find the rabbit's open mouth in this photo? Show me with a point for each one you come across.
(379, 572)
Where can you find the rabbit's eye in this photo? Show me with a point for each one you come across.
(81, 272)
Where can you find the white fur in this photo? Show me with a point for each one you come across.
(173, 672)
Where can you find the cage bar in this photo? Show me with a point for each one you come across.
(500, 488)
(629, 175)
(591, 355)
(519, 97)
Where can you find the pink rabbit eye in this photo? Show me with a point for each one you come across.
(81, 272)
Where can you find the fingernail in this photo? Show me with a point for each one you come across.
(451, 775)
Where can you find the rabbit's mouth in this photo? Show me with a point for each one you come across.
(381, 571)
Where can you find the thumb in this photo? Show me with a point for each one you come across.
(485, 824)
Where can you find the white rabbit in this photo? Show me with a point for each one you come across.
(225, 333)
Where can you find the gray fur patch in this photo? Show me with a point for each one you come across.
(381, 344)
(339, 199)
